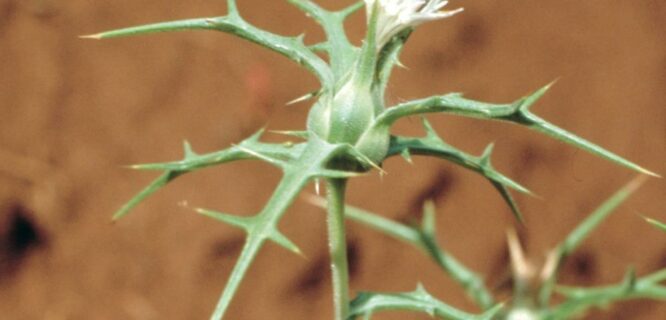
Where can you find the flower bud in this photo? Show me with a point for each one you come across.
(343, 117)
(347, 117)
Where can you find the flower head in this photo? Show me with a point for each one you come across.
(395, 16)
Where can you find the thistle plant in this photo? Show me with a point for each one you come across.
(348, 134)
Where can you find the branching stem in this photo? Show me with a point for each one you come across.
(337, 244)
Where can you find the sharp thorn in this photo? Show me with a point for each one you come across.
(96, 36)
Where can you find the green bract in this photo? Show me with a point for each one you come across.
(348, 132)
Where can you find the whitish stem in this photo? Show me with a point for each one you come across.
(337, 244)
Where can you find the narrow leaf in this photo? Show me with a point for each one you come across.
(433, 145)
(188, 24)
(565, 136)
(279, 154)
(276, 154)
(580, 233)
(291, 47)
(153, 187)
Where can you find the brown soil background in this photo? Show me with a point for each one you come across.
(75, 111)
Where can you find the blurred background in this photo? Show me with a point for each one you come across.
(74, 112)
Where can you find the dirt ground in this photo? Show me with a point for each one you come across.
(74, 112)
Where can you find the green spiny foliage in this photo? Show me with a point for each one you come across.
(348, 131)
(575, 300)
(419, 300)
(423, 236)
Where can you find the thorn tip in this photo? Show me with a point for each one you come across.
(96, 36)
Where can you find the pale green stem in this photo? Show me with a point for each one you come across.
(337, 244)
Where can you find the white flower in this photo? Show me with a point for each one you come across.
(395, 16)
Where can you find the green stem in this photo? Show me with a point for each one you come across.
(337, 244)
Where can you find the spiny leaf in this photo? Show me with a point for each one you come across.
(276, 154)
(424, 239)
(480, 164)
(581, 232)
(433, 145)
(429, 147)
(471, 282)
(491, 174)
(279, 154)
(522, 115)
(191, 161)
(291, 47)
(576, 237)
(419, 300)
(565, 136)
(579, 300)
(341, 52)
(501, 187)
(306, 165)
(517, 112)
